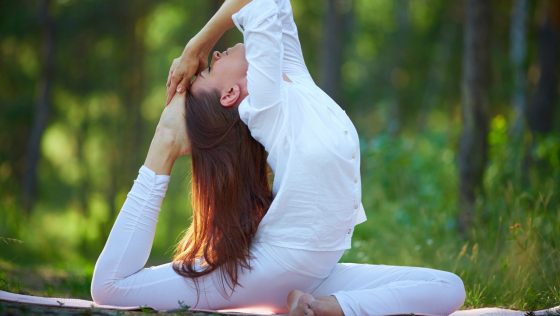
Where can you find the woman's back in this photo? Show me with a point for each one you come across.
(313, 146)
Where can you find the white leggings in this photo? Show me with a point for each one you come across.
(121, 279)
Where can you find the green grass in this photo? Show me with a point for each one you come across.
(511, 258)
(44, 280)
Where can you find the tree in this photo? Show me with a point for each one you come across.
(42, 106)
(337, 23)
(540, 114)
(475, 86)
(518, 55)
(125, 158)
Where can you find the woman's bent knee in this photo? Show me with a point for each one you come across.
(102, 292)
(98, 293)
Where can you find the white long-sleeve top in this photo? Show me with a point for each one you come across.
(313, 147)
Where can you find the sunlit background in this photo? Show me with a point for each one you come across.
(82, 84)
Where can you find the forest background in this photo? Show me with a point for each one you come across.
(456, 104)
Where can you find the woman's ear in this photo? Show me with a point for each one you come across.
(230, 97)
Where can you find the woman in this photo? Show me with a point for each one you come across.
(244, 248)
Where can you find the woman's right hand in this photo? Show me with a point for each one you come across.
(170, 140)
(193, 60)
(172, 126)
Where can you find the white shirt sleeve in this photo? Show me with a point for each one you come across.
(134, 227)
(293, 62)
(262, 35)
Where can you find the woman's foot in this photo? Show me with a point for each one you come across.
(303, 304)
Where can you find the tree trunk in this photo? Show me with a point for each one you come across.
(476, 78)
(132, 96)
(541, 112)
(127, 146)
(518, 55)
(42, 107)
(336, 28)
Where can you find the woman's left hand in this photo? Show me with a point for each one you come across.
(193, 60)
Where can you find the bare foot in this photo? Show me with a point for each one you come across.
(299, 303)
(303, 304)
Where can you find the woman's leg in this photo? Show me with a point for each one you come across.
(264, 287)
(362, 289)
(120, 277)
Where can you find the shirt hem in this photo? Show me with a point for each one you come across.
(346, 246)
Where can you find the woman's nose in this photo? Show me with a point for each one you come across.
(216, 55)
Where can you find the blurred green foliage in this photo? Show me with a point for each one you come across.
(401, 86)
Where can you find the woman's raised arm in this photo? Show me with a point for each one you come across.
(293, 63)
(262, 36)
(195, 55)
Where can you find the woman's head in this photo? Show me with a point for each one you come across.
(226, 74)
(230, 190)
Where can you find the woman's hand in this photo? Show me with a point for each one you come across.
(170, 139)
(193, 60)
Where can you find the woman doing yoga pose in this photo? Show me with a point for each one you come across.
(249, 245)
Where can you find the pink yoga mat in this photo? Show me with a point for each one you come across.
(79, 303)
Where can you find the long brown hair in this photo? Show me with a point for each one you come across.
(230, 191)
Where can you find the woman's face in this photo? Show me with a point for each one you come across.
(226, 69)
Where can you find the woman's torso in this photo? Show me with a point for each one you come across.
(316, 161)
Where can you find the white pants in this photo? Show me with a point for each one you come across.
(121, 279)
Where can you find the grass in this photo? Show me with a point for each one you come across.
(410, 194)
(44, 280)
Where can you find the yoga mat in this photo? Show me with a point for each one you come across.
(58, 302)
(79, 303)
(85, 304)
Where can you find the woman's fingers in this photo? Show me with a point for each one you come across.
(174, 65)
(173, 78)
(169, 76)
(172, 87)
